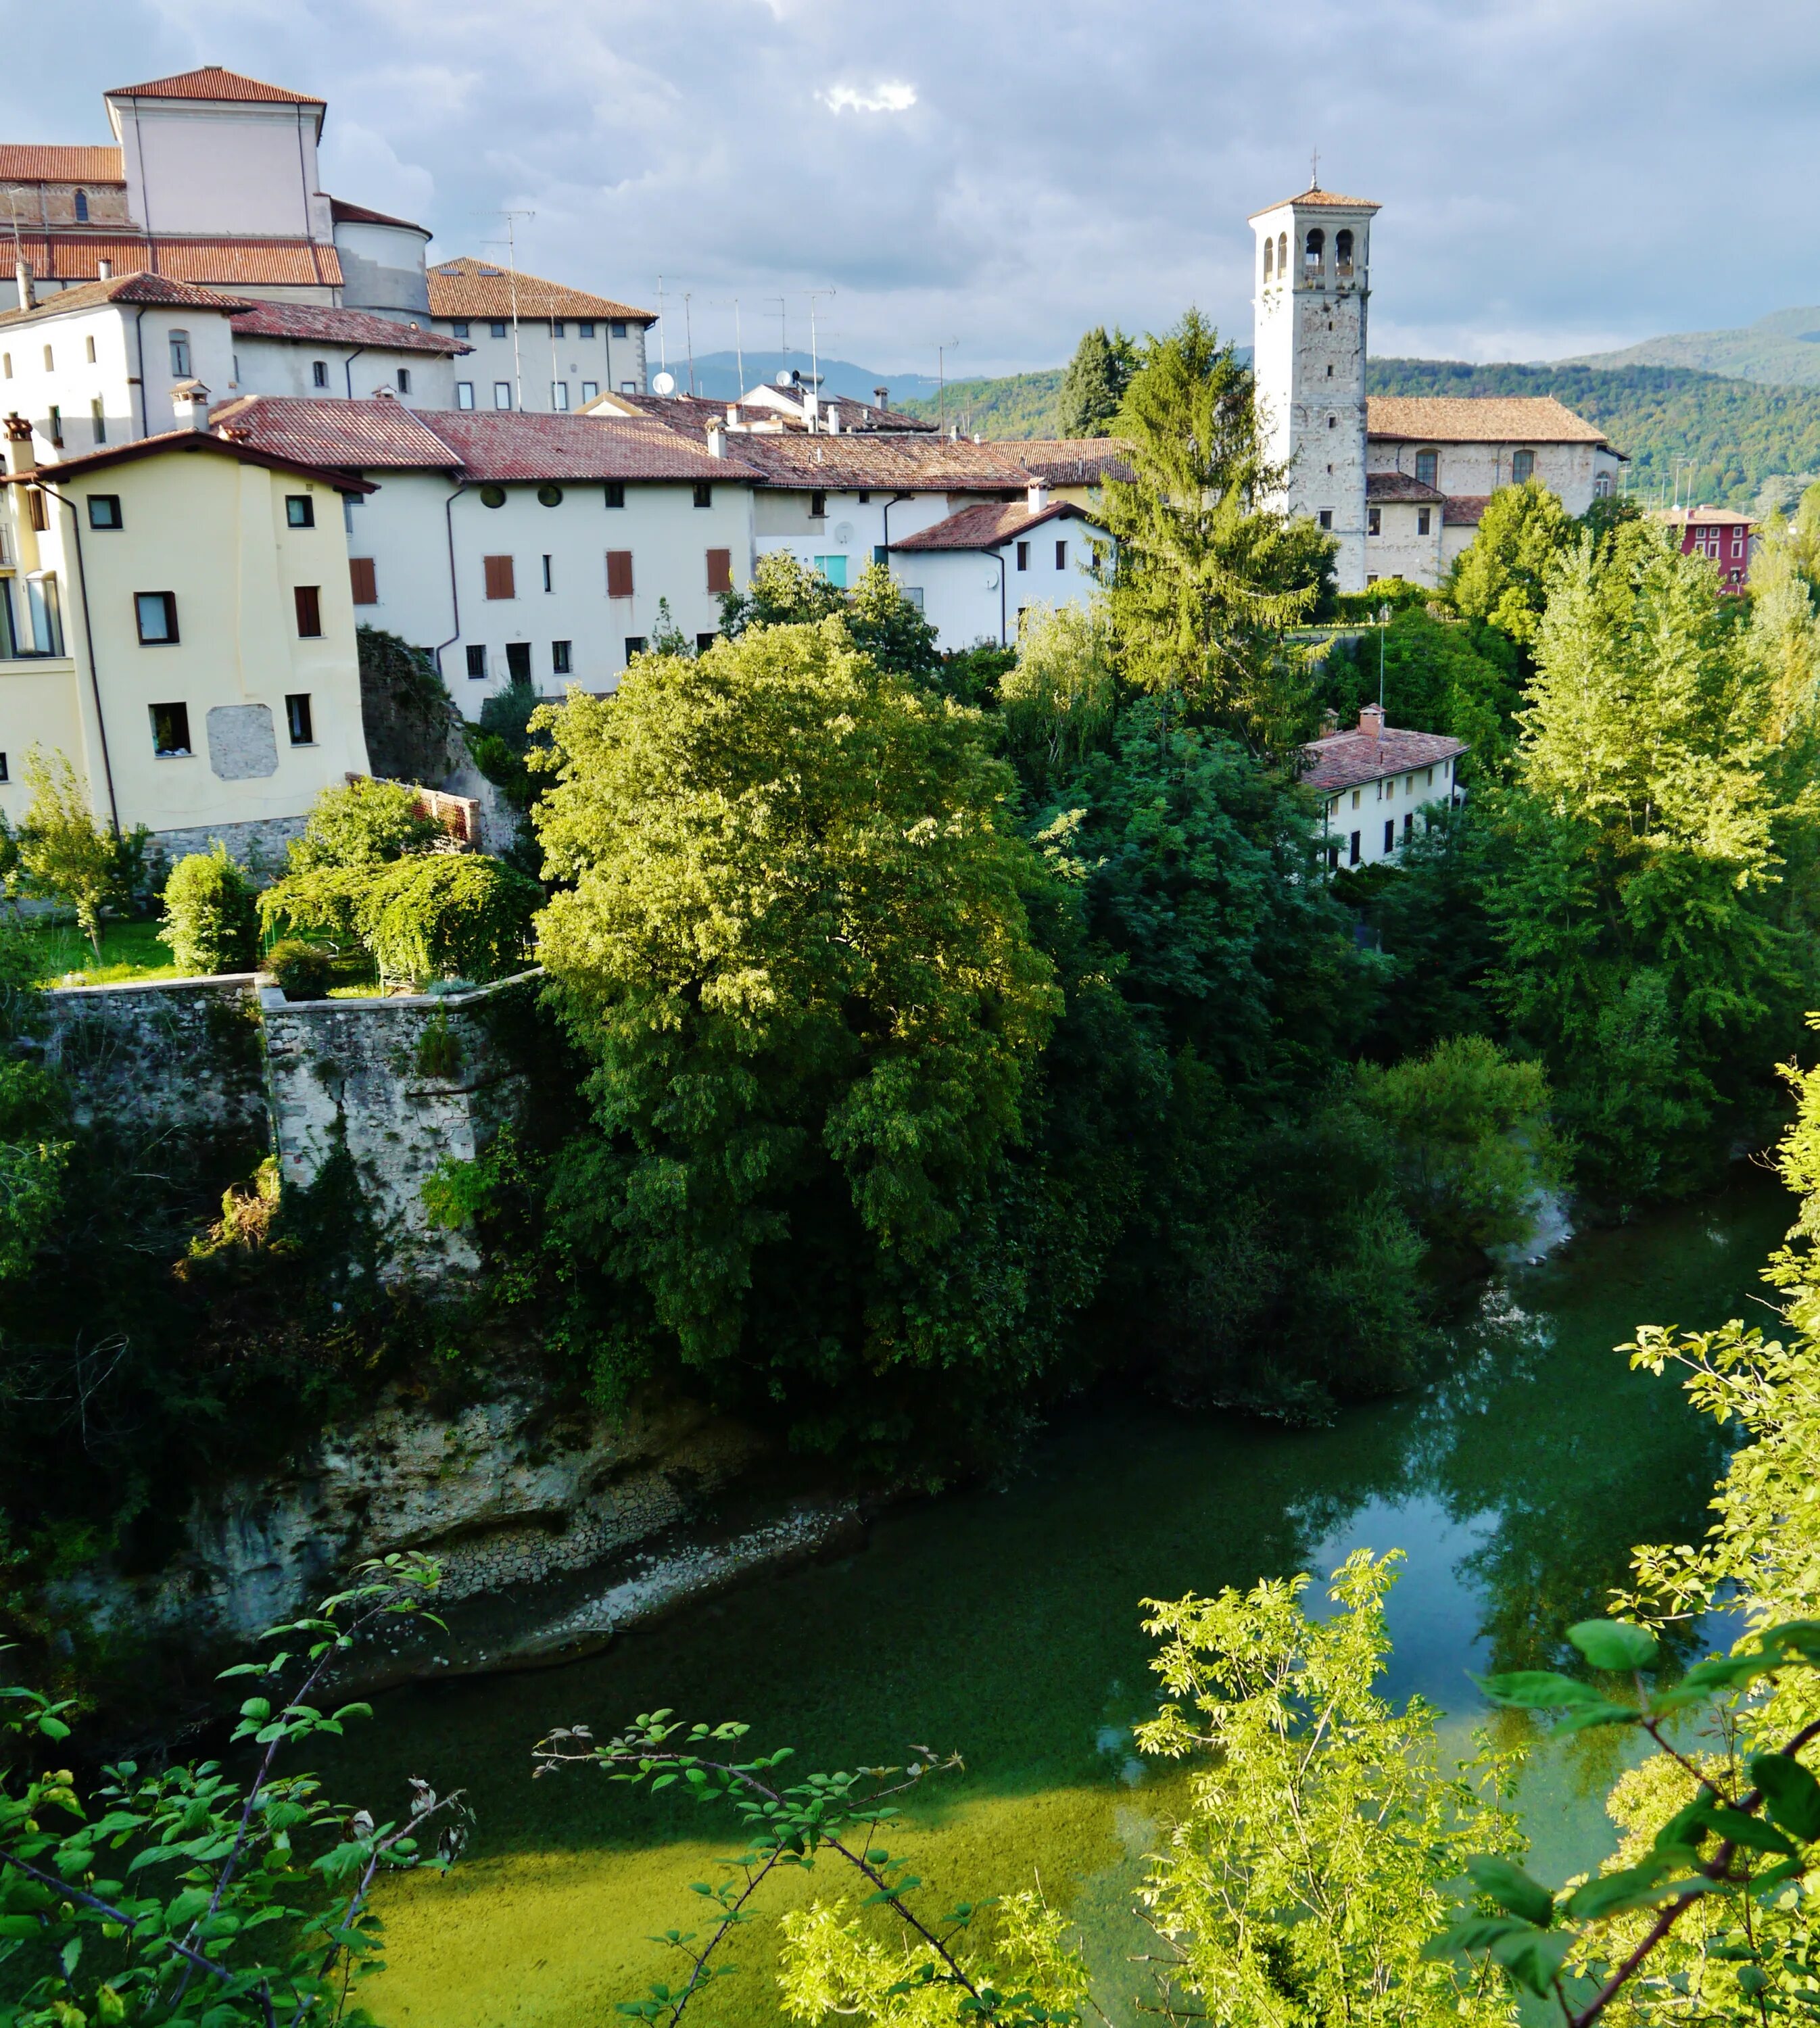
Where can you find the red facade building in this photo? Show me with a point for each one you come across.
(1723, 538)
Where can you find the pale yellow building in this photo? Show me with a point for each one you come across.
(176, 617)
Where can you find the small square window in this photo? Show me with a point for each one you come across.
(459, 327)
(1374, 520)
(558, 328)
(634, 646)
(308, 601)
(157, 617)
(628, 386)
(318, 373)
(297, 717)
(103, 511)
(404, 379)
(590, 391)
(464, 393)
(502, 394)
(818, 506)
(704, 493)
(616, 329)
(561, 657)
(1326, 517)
(585, 330)
(703, 643)
(616, 493)
(1424, 520)
(170, 730)
(497, 328)
(477, 664)
(299, 511)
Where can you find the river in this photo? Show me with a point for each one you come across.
(1003, 1623)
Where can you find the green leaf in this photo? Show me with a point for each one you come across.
(1613, 1645)
(1791, 1794)
(1533, 1959)
(1537, 1690)
(1611, 1893)
(1600, 1714)
(1751, 1832)
(1512, 1889)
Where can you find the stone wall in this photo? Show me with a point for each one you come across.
(258, 845)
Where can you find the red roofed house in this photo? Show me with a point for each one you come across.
(974, 574)
(1374, 781)
(1725, 538)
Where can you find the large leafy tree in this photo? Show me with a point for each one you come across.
(1503, 577)
(1095, 383)
(1207, 574)
(795, 949)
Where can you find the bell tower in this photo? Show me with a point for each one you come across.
(1312, 272)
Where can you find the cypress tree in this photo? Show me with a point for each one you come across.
(1095, 383)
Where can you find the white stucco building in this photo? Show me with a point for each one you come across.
(976, 573)
(535, 344)
(1375, 781)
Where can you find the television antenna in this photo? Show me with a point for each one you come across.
(511, 245)
(815, 357)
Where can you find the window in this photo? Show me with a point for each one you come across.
(4, 775)
(1314, 249)
(1356, 795)
(318, 373)
(404, 379)
(1330, 370)
(6, 364)
(1601, 484)
(49, 361)
(363, 580)
(459, 327)
(103, 511)
(1352, 851)
(170, 730)
(913, 592)
(705, 641)
(704, 493)
(518, 661)
(500, 583)
(54, 426)
(550, 496)
(617, 329)
(35, 511)
(1332, 422)
(1023, 556)
(620, 574)
(296, 717)
(634, 646)
(720, 570)
(1374, 520)
(1428, 467)
(547, 585)
(493, 496)
(1523, 465)
(558, 397)
(1282, 253)
(561, 660)
(464, 393)
(502, 394)
(585, 330)
(1424, 520)
(818, 506)
(1061, 556)
(834, 569)
(98, 420)
(615, 491)
(477, 664)
(91, 344)
(1325, 517)
(1408, 823)
(299, 511)
(628, 386)
(308, 598)
(558, 328)
(590, 391)
(1270, 258)
(82, 207)
(496, 329)
(157, 617)
(1342, 255)
(1390, 834)
(865, 498)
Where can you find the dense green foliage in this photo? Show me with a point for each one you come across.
(211, 920)
(1016, 405)
(1094, 385)
(61, 854)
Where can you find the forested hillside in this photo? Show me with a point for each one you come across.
(1021, 405)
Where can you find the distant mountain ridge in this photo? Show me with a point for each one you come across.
(1782, 349)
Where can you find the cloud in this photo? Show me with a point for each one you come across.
(891, 98)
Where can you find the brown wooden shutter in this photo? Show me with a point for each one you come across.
(308, 598)
(618, 573)
(365, 584)
(720, 570)
(500, 584)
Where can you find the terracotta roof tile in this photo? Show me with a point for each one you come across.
(905, 463)
(354, 436)
(341, 212)
(1346, 759)
(191, 441)
(24, 162)
(465, 287)
(1315, 198)
(139, 288)
(1704, 517)
(1382, 486)
(1477, 419)
(212, 82)
(1070, 460)
(1464, 510)
(317, 323)
(989, 527)
(501, 446)
(73, 257)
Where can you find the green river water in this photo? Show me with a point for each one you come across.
(1004, 1623)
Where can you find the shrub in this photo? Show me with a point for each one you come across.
(366, 823)
(211, 920)
(452, 914)
(302, 969)
(63, 854)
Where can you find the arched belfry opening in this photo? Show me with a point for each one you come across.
(1343, 252)
(1314, 249)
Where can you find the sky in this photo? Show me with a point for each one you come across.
(1556, 175)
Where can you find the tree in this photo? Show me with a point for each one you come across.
(1207, 574)
(211, 918)
(1059, 695)
(365, 824)
(64, 854)
(1438, 676)
(888, 630)
(1502, 578)
(783, 591)
(796, 951)
(1095, 383)
(442, 915)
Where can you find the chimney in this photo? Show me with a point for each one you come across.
(882, 397)
(732, 413)
(190, 399)
(1371, 720)
(28, 295)
(717, 439)
(1038, 494)
(103, 268)
(834, 418)
(1329, 722)
(19, 455)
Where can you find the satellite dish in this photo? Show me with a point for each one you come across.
(783, 378)
(663, 383)
(844, 534)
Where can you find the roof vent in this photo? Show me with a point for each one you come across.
(190, 399)
(103, 268)
(28, 295)
(1371, 720)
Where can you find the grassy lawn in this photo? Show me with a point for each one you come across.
(129, 951)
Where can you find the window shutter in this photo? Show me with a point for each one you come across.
(618, 573)
(499, 579)
(365, 586)
(308, 597)
(720, 570)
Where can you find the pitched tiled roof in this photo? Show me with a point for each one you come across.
(211, 81)
(904, 463)
(354, 436)
(74, 257)
(1382, 486)
(1477, 419)
(1070, 460)
(24, 162)
(318, 323)
(1315, 198)
(139, 288)
(343, 213)
(1700, 517)
(989, 527)
(1346, 759)
(1464, 510)
(501, 446)
(187, 440)
(465, 287)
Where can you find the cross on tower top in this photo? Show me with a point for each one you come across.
(1314, 169)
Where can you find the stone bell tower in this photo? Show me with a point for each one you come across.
(1312, 271)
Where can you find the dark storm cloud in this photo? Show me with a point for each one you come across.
(1554, 176)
